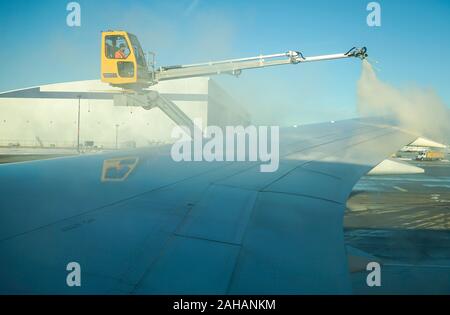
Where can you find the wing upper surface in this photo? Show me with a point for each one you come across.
(190, 227)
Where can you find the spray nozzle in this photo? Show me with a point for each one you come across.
(358, 53)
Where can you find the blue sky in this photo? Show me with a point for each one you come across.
(411, 46)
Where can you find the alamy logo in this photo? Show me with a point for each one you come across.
(74, 17)
(374, 277)
(237, 143)
(374, 17)
(73, 278)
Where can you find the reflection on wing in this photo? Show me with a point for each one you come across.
(118, 169)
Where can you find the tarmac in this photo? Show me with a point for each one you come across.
(18, 154)
(403, 223)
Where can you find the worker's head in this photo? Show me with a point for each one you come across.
(122, 47)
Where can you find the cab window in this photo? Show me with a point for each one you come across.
(116, 47)
(140, 58)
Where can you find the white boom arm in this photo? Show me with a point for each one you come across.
(235, 66)
(151, 99)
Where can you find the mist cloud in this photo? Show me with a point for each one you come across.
(417, 109)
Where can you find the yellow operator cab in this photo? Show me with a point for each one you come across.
(123, 61)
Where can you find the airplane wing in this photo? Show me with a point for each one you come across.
(138, 222)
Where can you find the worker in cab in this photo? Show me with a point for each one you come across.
(120, 54)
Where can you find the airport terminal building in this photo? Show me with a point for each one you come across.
(59, 115)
